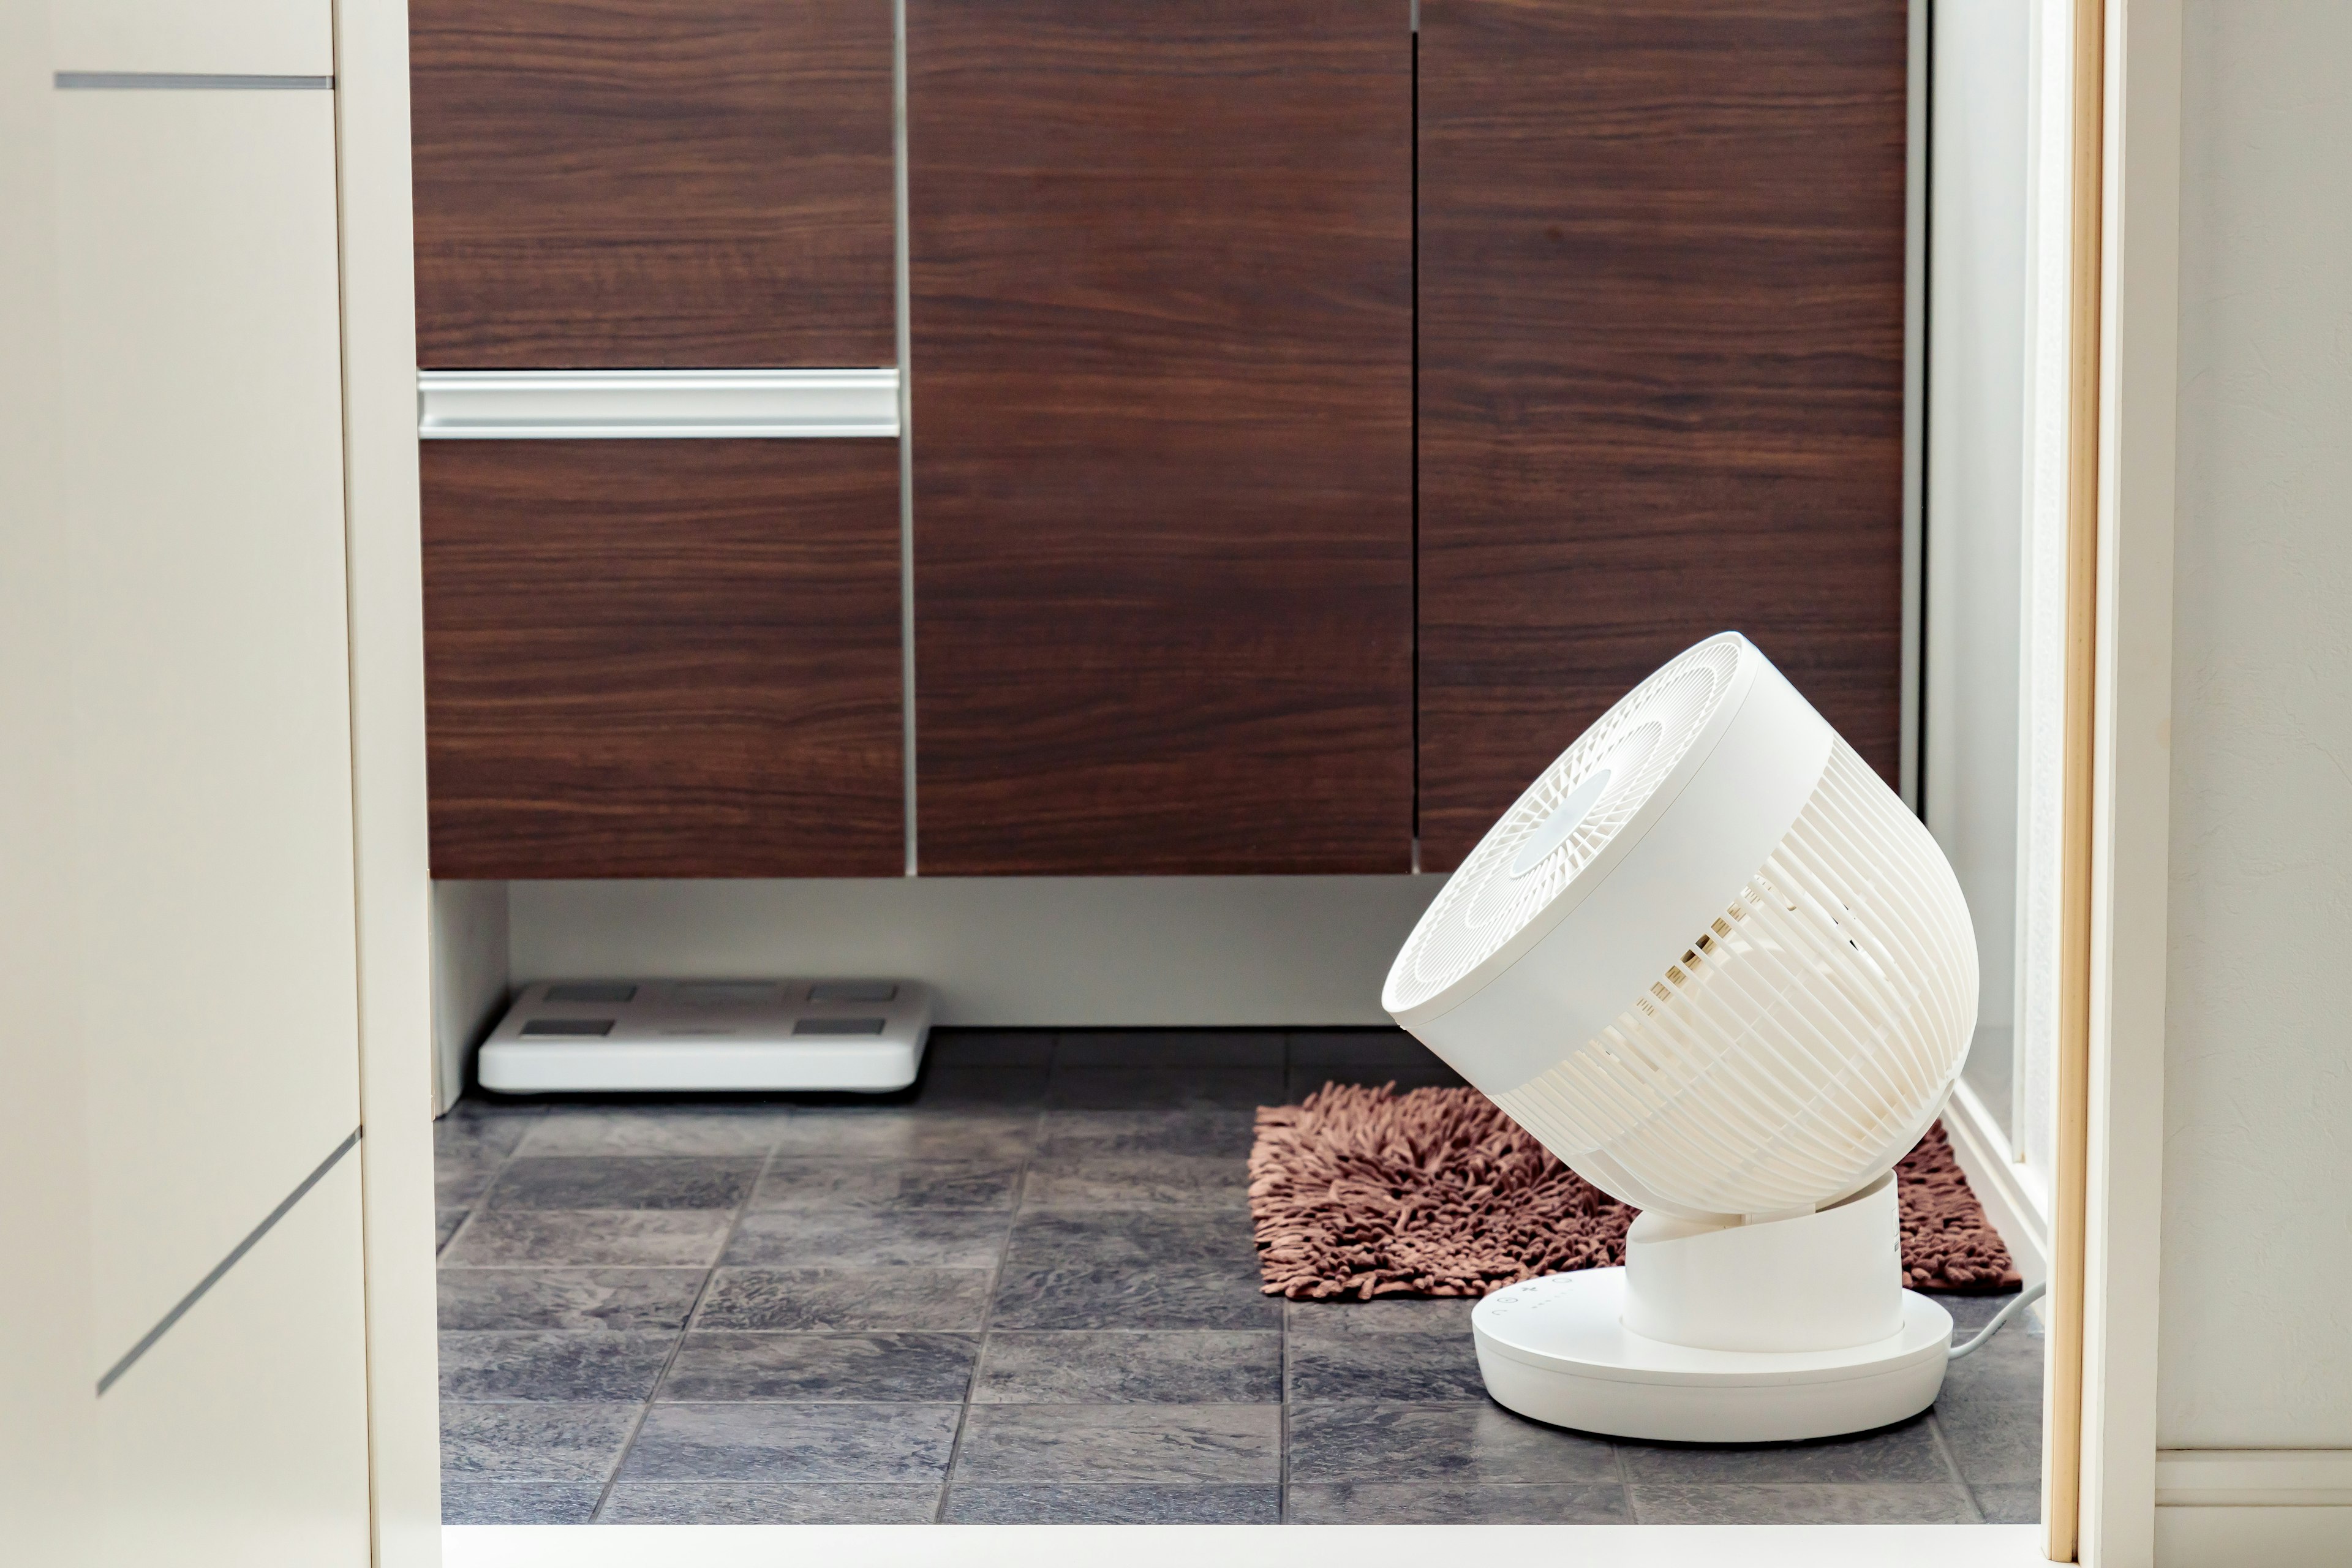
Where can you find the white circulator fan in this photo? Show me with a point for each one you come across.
(1712, 963)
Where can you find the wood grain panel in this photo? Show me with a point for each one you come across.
(1161, 414)
(607, 184)
(1661, 295)
(663, 659)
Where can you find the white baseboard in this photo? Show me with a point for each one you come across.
(1036, 952)
(2254, 1537)
(2015, 1203)
(1238, 1545)
(2253, 1507)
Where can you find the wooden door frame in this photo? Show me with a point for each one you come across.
(2102, 1433)
(2100, 1457)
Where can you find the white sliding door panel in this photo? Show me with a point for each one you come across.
(47, 1513)
(1977, 273)
(202, 465)
(240, 1439)
(260, 38)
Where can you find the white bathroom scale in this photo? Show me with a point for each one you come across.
(585, 1035)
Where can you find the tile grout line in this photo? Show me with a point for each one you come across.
(1282, 1496)
(1282, 1391)
(1952, 1464)
(1625, 1482)
(987, 1308)
(684, 1327)
(480, 1203)
(481, 1200)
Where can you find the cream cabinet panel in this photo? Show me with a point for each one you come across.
(254, 37)
(240, 1439)
(203, 466)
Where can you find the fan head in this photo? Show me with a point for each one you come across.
(1708, 958)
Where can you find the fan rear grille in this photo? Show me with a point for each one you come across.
(1800, 1042)
(1483, 906)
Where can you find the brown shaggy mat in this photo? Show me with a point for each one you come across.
(1947, 1243)
(1363, 1192)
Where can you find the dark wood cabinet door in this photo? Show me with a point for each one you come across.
(610, 184)
(1161, 401)
(664, 658)
(1662, 337)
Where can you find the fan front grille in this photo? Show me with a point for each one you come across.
(1797, 1045)
(1497, 892)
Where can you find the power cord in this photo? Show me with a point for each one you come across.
(2025, 1299)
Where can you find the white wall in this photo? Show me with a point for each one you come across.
(1013, 951)
(2256, 1299)
(469, 978)
(1977, 275)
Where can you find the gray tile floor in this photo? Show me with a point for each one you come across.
(1026, 1291)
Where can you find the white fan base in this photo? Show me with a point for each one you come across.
(1554, 1349)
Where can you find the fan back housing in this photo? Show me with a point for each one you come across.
(1708, 958)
